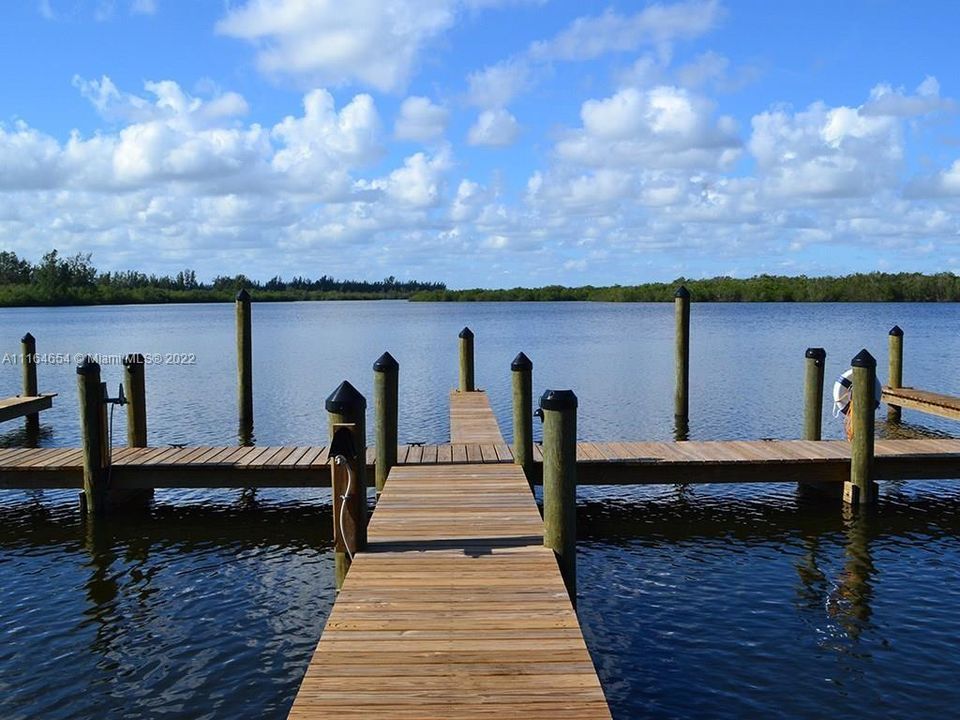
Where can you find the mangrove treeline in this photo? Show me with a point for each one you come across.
(59, 280)
(862, 287)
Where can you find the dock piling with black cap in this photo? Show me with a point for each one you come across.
(521, 372)
(467, 383)
(895, 372)
(244, 367)
(386, 376)
(861, 488)
(681, 402)
(559, 409)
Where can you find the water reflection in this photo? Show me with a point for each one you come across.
(26, 435)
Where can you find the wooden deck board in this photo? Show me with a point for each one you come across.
(471, 419)
(933, 403)
(20, 405)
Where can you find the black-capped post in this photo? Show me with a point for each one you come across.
(386, 386)
(28, 356)
(681, 404)
(521, 372)
(244, 366)
(94, 435)
(466, 361)
(813, 393)
(895, 372)
(861, 489)
(559, 408)
(346, 410)
(134, 387)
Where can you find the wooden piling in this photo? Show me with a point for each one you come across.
(386, 377)
(895, 373)
(244, 364)
(134, 387)
(28, 357)
(560, 482)
(861, 489)
(521, 371)
(466, 361)
(681, 404)
(347, 407)
(813, 394)
(94, 434)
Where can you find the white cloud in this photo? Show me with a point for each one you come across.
(884, 100)
(494, 128)
(420, 120)
(143, 7)
(656, 25)
(496, 85)
(661, 127)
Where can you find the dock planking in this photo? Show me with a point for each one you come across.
(22, 405)
(471, 419)
(925, 401)
(622, 463)
(456, 610)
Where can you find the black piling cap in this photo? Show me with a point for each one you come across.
(466, 333)
(521, 362)
(816, 354)
(682, 292)
(558, 400)
(28, 338)
(863, 359)
(132, 360)
(386, 362)
(896, 331)
(344, 399)
(88, 366)
(243, 296)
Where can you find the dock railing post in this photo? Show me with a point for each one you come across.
(386, 377)
(466, 361)
(93, 429)
(244, 366)
(346, 409)
(559, 409)
(895, 374)
(28, 357)
(813, 394)
(681, 403)
(861, 489)
(134, 386)
(521, 372)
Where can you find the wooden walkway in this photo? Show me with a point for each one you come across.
(472, 420)
(457, 610)
(933, 403)
(614, 463)
(21, 405)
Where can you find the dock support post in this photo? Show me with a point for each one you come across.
(895, 374)
(681, 403)
(466, 361)
(813, 394)
(244, 367)
(521, 371)
(347, 407)
(861, 489)
(93, 429)
(28, 357)
(134, 387)
(559, 408)
(386, 377)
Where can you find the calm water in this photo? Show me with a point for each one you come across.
(703, 602)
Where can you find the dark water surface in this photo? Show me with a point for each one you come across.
(704, 601)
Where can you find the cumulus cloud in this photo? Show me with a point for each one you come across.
(494, 128)
(420, 120)
(885, 100)
(661, 127)
(496, 85)
(373, 42)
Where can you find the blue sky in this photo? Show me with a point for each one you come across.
(482, 142)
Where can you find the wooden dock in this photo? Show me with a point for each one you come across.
(472, 421)
(612, 463)
(22, 405)
(457, 610)
(925, 401)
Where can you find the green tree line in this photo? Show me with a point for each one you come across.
(59, 280)
(861, 287)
